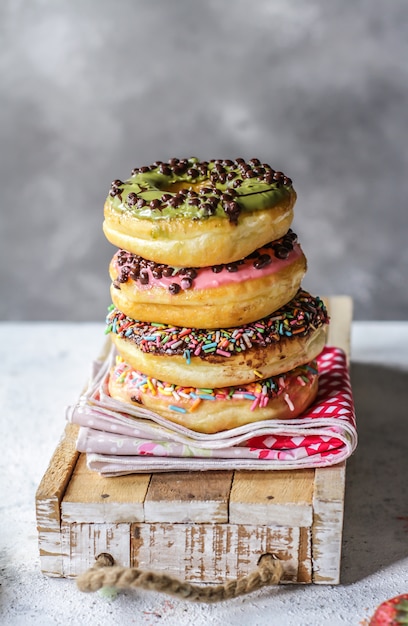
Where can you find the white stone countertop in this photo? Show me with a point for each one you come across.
(44, 366)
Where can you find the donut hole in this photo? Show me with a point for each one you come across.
(183, 184)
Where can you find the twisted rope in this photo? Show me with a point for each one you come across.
(105, 574)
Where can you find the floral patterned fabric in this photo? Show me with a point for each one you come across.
(123, 439)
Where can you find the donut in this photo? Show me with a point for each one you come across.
(293, 335)
(213, 410)
(223, 295)
(191, 213)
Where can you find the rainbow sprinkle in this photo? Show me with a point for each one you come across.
(188, 399)
(301, 316)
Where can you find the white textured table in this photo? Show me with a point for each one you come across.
(43, 368)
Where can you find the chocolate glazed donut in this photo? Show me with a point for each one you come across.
(293, 335)
(191, 213)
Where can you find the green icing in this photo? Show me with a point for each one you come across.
(253, 194)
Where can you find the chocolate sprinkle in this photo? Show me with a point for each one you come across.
(262, 261)
(134, 267)
(186, 282)
(132, 199)
(174, 288)
(226, 172)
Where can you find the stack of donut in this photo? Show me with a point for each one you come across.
(212, 327)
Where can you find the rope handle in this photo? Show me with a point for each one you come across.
(104, 573)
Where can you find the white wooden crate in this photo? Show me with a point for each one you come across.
(199, 526)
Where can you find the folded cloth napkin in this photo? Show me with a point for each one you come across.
(119, 438)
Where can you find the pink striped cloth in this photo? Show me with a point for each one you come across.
(122, 439)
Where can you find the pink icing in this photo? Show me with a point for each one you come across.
(207, 279)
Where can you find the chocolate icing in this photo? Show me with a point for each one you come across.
(189, 188)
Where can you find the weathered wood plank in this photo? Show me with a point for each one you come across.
(278, 497)
(304, 573)
(91, 498)
(212, 553)
(188, 497)
(48, 502)
(341, 312)
(327, 530)
(330, 483)
(81, 543)
(54, 482)
(283, 542)
(49, 542)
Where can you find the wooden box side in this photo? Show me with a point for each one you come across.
(327, 528)
(340, 309)
(48, 501)
(215, 553)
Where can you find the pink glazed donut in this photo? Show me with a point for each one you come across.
(218, 296)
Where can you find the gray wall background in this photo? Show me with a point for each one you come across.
(90, 89)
